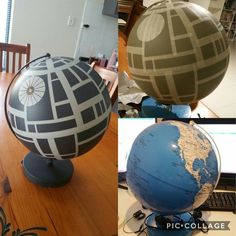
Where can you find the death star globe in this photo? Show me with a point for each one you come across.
(59, 108)
(177, 52)
(173, 167)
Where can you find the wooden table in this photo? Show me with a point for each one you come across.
(87, 206)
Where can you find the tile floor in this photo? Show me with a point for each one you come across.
(222, 101)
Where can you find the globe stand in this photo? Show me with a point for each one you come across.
(166, 228)
(47, 172)
(152, 108)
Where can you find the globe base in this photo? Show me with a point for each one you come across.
(47, 172)
(152, 108)
(172, 228)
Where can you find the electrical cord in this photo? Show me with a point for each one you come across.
(122, 187)
(155, 227)
(138, 215)
(142, 231)
(196, 216)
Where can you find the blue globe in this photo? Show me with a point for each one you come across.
(173, 167)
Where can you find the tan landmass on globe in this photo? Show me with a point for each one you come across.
(191, 148)
(202, 195)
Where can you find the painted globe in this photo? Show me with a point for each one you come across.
(173, 167)
(59, 107)
(177, 52)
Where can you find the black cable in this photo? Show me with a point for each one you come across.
(200, 221)
(128, 232)
(143, 231)
(155, 227)
(197, 219)
(141, 227)
(122, 186)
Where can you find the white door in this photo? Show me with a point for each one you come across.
(101, 34)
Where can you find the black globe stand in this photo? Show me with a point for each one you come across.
(47, 172)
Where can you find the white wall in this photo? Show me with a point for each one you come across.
(101, 37)
(216, 8)
(43, 24)
(203, 3)
(148, 3)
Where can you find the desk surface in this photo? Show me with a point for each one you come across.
(87, 206)
(127, 205)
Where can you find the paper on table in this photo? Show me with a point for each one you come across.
(129, 90)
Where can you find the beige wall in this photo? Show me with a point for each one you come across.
(43, 24)
(216, 7)
(203, 3)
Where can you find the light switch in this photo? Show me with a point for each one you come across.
(71, 21)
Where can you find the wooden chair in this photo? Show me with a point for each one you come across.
(125, 8)
(110, 78)
(137, 10)
(17, 51)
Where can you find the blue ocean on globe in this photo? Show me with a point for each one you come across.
(172, 167)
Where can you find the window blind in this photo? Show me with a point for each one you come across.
(8, 20)
(5, 22)
(5, 19)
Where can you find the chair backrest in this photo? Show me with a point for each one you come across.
(135, 11)
(13, 56)
(110, 78)
(125, 8)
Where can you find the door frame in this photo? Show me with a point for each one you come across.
(81, 28)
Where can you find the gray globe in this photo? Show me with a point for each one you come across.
(177, 52)
(59, 107)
